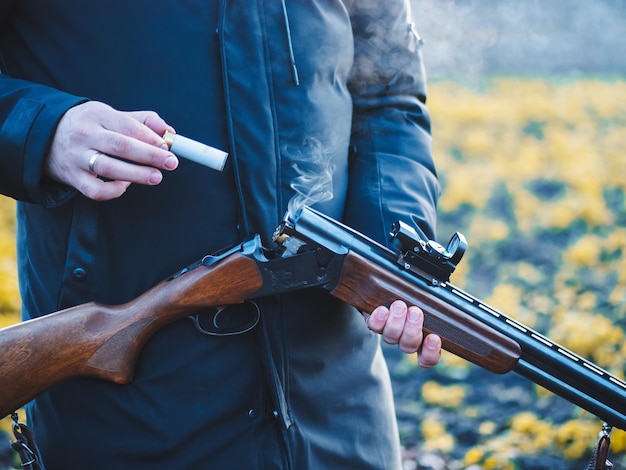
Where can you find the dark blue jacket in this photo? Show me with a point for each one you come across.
(343, 81)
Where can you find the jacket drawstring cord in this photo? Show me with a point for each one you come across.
(292, 59)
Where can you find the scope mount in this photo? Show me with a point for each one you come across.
(427, 258)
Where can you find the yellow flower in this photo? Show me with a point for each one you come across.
(474, 456)
(585, 252)
(435, 436)
(618, 440)
(506, 298)
(576, 437)
(451, 396)
(524, 422)
(487, 428)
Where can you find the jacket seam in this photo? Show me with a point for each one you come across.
(280, 204)
(243, 229)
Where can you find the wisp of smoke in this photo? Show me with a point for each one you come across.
(314, 180)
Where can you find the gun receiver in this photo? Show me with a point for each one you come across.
(312, 250)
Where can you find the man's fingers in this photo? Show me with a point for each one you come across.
(99, 190)
(412, 334)
(145, 126)
(135, 136)
(430, 353)
(404, 326)
(100, 151)
(153, 121)
(111, 168)
(395, 322)
(377, 320)
(154, 153)
(398, 325)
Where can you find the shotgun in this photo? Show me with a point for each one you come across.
(311, 250)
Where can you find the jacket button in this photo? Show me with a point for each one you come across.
(252, 413)
(79, 274)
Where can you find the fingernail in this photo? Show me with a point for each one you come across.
(396, 310)
(430, 343)
(155, 177)
(381, 313)
(413, 316)
(170, 162)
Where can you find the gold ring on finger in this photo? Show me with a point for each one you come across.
(92, 162)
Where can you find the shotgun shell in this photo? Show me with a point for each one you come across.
(195, 151)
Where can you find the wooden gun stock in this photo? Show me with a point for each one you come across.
(366, 285)
(103, 341)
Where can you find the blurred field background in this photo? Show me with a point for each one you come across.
(528, 101)
(533, 175)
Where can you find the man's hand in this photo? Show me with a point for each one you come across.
(94, 140)
(403, 325)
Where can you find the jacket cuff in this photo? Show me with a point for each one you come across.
(42, 189)
(26, 135)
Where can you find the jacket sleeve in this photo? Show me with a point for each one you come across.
(392, 174)
(29, 114)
